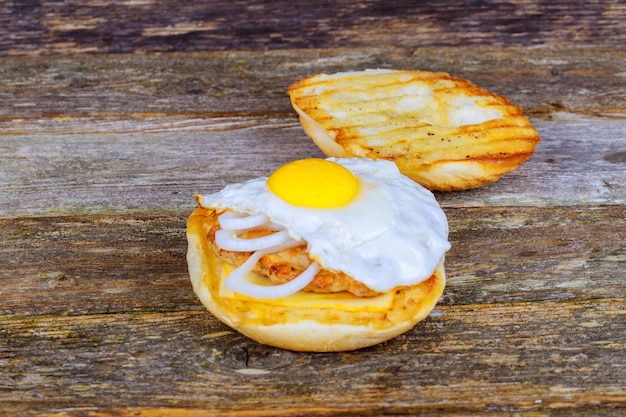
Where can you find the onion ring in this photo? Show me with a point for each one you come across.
(233, 220)
(237, 281)
(226, 240)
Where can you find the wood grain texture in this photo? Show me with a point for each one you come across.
(159, 165)
(126, 263)
(48, 27)
(96, 308)
(556, 356)
(148, 131)
(544, 81)
(113, 113)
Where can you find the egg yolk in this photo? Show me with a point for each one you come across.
(314, 183)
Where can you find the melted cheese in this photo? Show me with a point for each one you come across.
(336, 301)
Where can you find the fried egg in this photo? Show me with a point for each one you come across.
(357, 215)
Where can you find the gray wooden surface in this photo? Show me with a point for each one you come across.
(113, 115)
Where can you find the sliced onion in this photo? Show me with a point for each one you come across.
(227, 240)
(237, 281)
(238, 221)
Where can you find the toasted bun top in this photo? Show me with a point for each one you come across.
(444, 132)
(306, 323)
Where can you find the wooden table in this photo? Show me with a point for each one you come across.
(113, 114)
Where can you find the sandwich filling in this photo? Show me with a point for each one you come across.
(265, 251)
(327, 226)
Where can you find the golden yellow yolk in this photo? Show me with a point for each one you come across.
(315, 183)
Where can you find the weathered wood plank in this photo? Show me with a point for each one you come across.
(46, 27)
(159, 167)
(136, 262)
(112, 114)
(555, 356)
(333, 412)
(542, 80)
(173, 114)
(136, 171)
(78, 265)
(578, 162)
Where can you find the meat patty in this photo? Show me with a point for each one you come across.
(285, 265)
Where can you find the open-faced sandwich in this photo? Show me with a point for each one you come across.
(322, 255)
(443, 132)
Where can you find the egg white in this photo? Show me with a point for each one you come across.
(393, 233)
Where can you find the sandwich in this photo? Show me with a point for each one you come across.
(322, 255)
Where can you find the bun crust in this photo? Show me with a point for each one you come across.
(306, 329)
(443, 132)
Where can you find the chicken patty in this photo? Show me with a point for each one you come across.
(285, 265)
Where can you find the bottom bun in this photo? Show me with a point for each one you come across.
(306, 328)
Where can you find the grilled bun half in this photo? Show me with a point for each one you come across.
(443, 132)
(304, 321)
